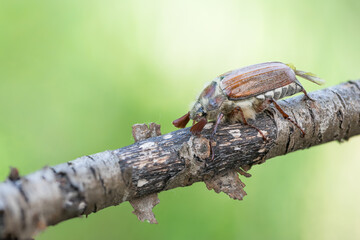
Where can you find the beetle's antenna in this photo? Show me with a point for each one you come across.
(310, 76)
(307, 75)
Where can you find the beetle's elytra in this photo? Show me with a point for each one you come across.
(247, 91)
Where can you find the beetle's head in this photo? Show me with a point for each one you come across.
(198, 114)
(205, 108)
(197, 111)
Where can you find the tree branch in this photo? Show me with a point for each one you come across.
(90, 183)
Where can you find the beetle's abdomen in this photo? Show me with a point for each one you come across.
(256, 79)
(281, 92)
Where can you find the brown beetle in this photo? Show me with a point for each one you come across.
(247, 91)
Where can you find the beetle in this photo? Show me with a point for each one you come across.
(242, 93)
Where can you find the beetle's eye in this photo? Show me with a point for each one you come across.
(200, 111)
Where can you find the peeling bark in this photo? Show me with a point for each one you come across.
(90, 183)
(228, 183)
(143, 205)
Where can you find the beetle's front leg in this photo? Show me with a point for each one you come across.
(220, 116)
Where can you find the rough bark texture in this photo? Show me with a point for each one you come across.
(85, 185)
(143, 205)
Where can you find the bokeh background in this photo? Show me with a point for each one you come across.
(75, 76)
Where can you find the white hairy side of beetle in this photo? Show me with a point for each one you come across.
(250, 106)
(246, 105)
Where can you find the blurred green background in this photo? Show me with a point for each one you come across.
(75, 76)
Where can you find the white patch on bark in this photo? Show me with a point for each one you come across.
(225, 144)
(235, 133)
(162, 159)
(82, 206)
(167, 136)
(209, 126)
(147, 145)
(262, 150)
(264, 132)
(142, 182)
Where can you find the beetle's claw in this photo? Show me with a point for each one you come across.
(307, 97)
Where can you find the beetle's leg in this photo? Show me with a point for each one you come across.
(286, 116)
(246, 123)
(306, 96)
(220, 116)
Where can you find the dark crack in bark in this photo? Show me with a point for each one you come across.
(288, 144)
(102, 183)
(93, 171)
(91, 158)
(356, 83)
(21, 190)
(340, 116)
(342, 101)
(309, 108)
(73, 196)
(347, 132)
